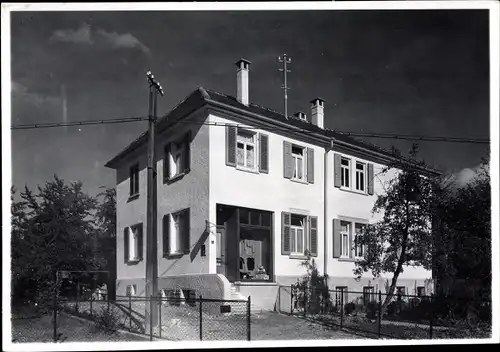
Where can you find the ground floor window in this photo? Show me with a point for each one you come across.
(368, 294)
(131, 290)
(420, 291)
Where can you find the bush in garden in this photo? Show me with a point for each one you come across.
(108, 320)
(349, 308)
(371, 310)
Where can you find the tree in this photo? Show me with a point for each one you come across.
(53, 230)
(404, 235)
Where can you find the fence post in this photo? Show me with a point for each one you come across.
(431, 318)
(150, 318)
(249, 304)
(341, 308)
(55, 315)
(159, 314)
(129, 312)
(201, 318)
(379, 312)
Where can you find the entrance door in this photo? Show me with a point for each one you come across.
(221, 251)
(250, 257)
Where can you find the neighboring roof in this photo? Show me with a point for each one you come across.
(202, 96)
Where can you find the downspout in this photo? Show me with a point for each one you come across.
(325, 208)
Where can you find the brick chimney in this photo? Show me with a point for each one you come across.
(317, 112)
(242, 81)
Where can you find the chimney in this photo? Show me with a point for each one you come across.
(242, 81)
(317, 112)
(301, 116)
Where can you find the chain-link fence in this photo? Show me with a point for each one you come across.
(403, 316)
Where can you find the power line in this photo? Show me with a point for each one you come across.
(217, 124)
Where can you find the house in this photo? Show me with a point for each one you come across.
(242, 193)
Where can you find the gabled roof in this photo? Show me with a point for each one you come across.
(201, 97)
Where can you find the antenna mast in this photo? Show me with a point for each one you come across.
(285, 60)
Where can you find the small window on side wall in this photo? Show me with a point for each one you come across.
(134, 180)
(177, 158)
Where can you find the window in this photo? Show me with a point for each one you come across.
(177, 158)
(358, 248)
(246, 156)
(340, 295)
(298, 163)
(368, 294)
(344, 236)
(134, 180)
(420, 291)
(131, 290)
(297, 235)
(133, 241)
(360, 176)
(177, 233)
(345, 172)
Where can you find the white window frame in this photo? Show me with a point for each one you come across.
(176, 233)
(359, 250)
(294, 230)
(345, 171)
(133, 243)
(132, 290)
(296, 158)
(358, 175)
(177, 149)
(247, 144)
(343, 236)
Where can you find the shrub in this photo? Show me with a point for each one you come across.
(108, 320)
(349, 308)
(371, 310)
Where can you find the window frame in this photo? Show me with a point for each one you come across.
(345, 173)
(180, 152)
(342, 234)
(358, 248)
(133, 242)
(176, 231)
(293, 234)
(255, 146)
(360, 174)
(368, 294)
(296, 157)
(134, 177)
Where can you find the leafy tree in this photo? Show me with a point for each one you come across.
(404, 235)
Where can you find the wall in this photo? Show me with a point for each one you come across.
(271, 192)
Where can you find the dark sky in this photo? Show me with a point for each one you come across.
(410, 72)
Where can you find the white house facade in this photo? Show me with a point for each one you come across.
(241, 194)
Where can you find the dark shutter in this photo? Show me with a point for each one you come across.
(287, 160)
(185, 231)
(285, 233)
(313, 235)
(352, 228)
(126, 244)
(166, 163)
(337, 170)
(187, 153)
(370, 179)
(131, 180)
(140, 240)
(264, 153)
(166, 235)
(336, 238)
(310, 165)
(231, 145)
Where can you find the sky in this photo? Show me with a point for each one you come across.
(423, 72)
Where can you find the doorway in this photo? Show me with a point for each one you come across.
(221, 250)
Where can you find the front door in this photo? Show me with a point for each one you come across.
(221, 251)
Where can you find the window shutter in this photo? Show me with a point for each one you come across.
(166, 163)
(313, 236)
(287, 160)
(185, 232)
(370, 179)
(126, 244)
(231, 145)
(166, 235)
(141, 242)
(336, 238)
(285, 233)
(131, 181)
(187, 153)
(337, 170)
(264, 153)
(310, 165)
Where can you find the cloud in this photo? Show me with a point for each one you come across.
(466, 176)
(85, 35)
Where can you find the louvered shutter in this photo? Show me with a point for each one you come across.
(285, 233)
(187, 152)
(337, 170)
(185, 231)
(126, 244)
(287, 160)
(140, 240)
(370, 179)
(166, 163)
(310, 165)
(166, 235)
(264, 153)
(231, 145)
(336, 238)
(313, 236)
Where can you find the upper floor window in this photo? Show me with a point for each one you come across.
(246, 156)
(134, 180)
(345, 172)
(298, 163)
(360, 176)
(177, 158)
